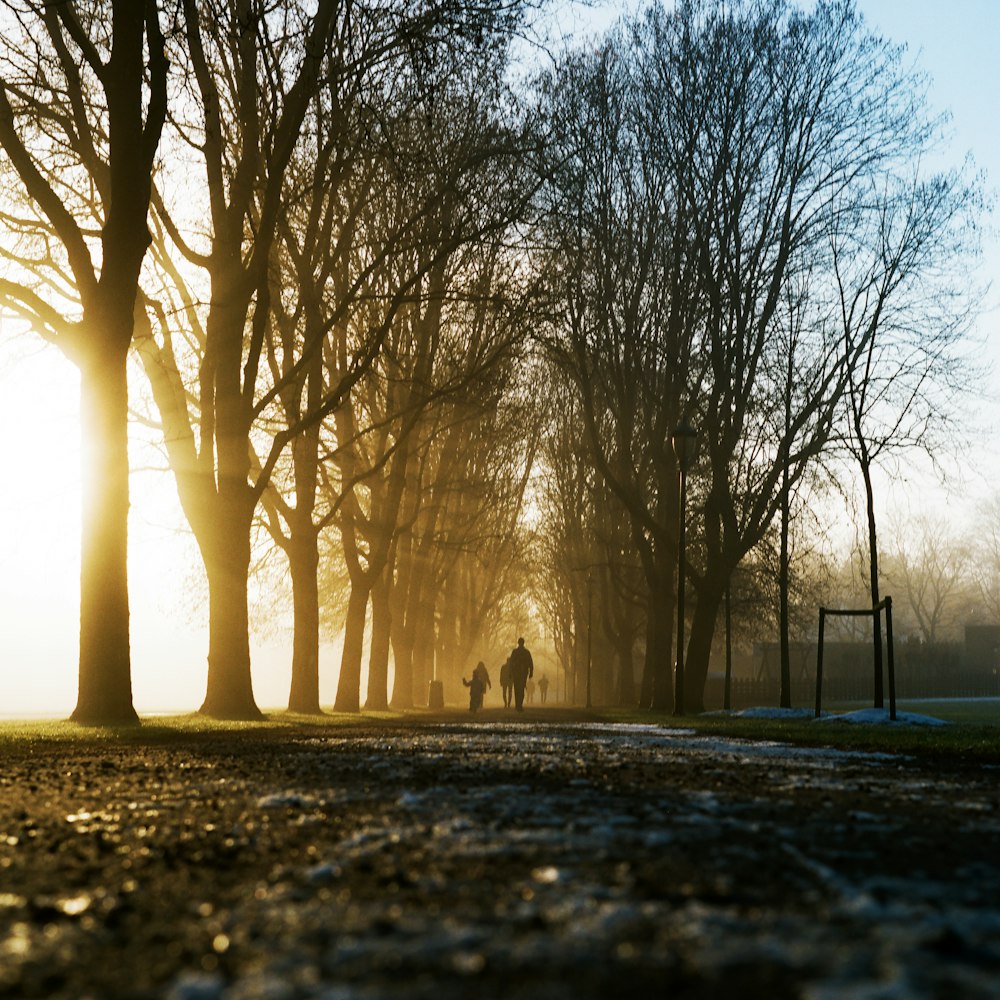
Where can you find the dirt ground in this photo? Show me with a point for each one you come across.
(489, 858)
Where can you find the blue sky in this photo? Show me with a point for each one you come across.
(955, 41)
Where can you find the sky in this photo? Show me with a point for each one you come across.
(955, 42)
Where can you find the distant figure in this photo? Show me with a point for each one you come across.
(484, 676)
(543, 688)
(529, 692)
(521, 668)
(506, 684)
(475, 687)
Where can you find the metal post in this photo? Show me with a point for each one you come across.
(877, 652)
(590, 615)
(679, 669)
(727, 702)
(683, 440)
(819, 662)
(571, 679)
(891, 664)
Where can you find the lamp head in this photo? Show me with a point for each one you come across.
(683, 439)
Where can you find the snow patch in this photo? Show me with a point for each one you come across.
(765, 712)
(880, 717)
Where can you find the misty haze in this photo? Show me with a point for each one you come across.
(499, 500)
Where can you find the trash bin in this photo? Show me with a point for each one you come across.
(435, 695)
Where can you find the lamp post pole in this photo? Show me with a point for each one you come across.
(727, 699)
(683, 442)
(590, 614)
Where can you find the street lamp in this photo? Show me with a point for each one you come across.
(683, 440)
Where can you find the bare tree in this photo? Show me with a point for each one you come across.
(904, 307)
(270, 86)
(987, 556)
(564, 501)
(616, 255)
(83, 96)
(252, 74)
(931, 567)
(796, 111)
(704, 163)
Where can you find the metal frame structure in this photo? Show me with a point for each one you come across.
(886, 606)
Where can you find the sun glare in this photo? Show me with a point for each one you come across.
(40, 553)
(40, 558)
(40, 537)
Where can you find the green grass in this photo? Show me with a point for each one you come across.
(164, 728)
(960, 742)
(979, 711)
(973, 738)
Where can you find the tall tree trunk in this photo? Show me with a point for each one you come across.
(303, 561)
(785, 698)
(134, 83)
(378, 659)
(105, 693)
(658, 690)
(649, 661)
(447, 645)
(229, 693)
(783, 584)
(626, 696)
(699, 651)
(349, 685)
(302, 549)
(866, 471)
(401, 625)
(402, 658)
(579, 657)
(224, 535)
(423, 649)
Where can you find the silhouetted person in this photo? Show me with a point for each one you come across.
(484, 676)
(521, 668)
(506, 684)
(543, 688)
(529, 692)
(475, 687)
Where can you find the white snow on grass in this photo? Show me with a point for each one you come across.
(766, 712)
(745, 750)
(880, 717)
(655, 739)
(864, 716)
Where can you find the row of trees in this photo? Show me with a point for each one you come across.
(429, 328)
(942, 577)
(741, 235)
(309, 249)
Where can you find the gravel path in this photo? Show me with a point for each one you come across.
(492, 859)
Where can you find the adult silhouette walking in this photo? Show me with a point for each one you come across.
(506, 684)
(521, 668)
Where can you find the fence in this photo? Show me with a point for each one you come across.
(748, 693)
